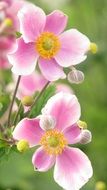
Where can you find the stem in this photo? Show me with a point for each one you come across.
(13, 99)
(10, 142)
(16, 116)
(36, 99)
(1, 128)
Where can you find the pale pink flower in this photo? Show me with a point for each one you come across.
(72, 167)
(8, 9)
(42, 39)
(31, 84)
(35, 82)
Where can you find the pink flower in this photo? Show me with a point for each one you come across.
(31, 84)
(72, 167)
(8, 10)
(35, 82)
(42, 39)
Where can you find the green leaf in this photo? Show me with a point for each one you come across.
(2, 152)
(4, 102)
(50, 91)
(3, 143)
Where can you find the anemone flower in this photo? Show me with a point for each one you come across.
(72, 167)
(43, 40)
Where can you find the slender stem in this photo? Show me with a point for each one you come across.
(11, 142)
(36, 99)
(16, 116)
(1, 128)
(11, 105)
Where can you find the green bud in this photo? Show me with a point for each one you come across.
(27, 100)
(82, 124)
(22, 146)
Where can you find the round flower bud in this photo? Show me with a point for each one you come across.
(82, 124)
(75, 76)
(86, 137)
(100, 185)
(27, 100)
(8, 22)
(22, 146)
(47, 122)
(93, 48)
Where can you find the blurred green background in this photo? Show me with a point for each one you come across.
(89, 17)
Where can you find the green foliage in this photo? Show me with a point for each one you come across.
(6, 150)
(50, 91)
(4, 103)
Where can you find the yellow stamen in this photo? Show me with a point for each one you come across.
(93, 48)
(8, 22)
(47, 45)
(53, 142)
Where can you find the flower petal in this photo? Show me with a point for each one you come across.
(42, 161)
(56, 22)
(30, 83)
(24, 58)
(72, 169)
(72, 134)
(74, 45)
(28, 129)
(32, 21)
(51, 70)
(65, 108)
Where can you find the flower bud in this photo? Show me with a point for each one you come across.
(47, 122)
(75, 76)
(27, 100)
(22, 146)
(82, 124)
(100, 185)
(86, 137)
(93, 48)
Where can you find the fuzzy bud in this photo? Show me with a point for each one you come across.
(47, 122)
(86, 137)
(82, 124)
(22, 146)
(75, 76)
(100, 185)
(27, 101)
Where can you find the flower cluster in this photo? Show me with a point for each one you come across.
(55, 124)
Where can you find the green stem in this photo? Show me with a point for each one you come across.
(10, 142)
(36, 99)
(16, 116)
(13, 99)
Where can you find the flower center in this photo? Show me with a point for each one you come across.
(47, 45)
(53, 142)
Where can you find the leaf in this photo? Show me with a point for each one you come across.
(2, 143)
(5, 152)
(50, 91)
(4, 102)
